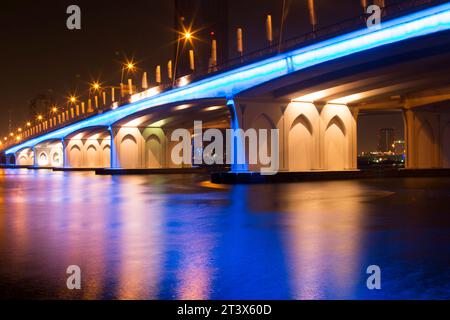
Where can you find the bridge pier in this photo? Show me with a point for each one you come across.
(25, 157)
(427, 135)
(48, 154)
(88, 151)
(312, 136)
(141, 147)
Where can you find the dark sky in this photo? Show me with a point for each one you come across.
(40, 54)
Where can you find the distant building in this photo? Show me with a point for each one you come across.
(386, 139)
(208, 19)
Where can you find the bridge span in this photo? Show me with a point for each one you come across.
(313, 95)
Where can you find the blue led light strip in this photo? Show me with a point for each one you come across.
(230, 83)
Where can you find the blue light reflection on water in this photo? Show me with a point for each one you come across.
(175, 237)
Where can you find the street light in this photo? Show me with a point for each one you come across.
(187, 35)
(54, 109)
(28, 124)
(39, 117)
(95, 86)
(130, 66)
(72, 99)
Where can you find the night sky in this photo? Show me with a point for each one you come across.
(40, 55)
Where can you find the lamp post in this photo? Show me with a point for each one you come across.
(187, 35)
(130, 67)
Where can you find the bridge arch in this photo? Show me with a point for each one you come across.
(92, 156)
(335, 144)
(75, 156)
(301, 145)
(85, 147)
(153, 151)
(25, 157)
(43, 159)
(106, 156)
(129, 152)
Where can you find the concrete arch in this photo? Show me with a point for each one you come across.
(75, 156)
(128, 152)
(92, 157)
(106, 156)
(56, 158)
(263, 121)
(260, 122)
(301, 144)
(446, 146)
(337, 120)
(153, 151)
(25, 157)
(23, 160)
(425, 145)
(335, 145)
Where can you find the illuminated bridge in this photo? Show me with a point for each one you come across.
(313, 94)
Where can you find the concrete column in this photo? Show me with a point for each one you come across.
(114, 155)
(354, 138)
(65, 162)
(35, 159)
(238, 151)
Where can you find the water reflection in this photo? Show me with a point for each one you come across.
(178, 237)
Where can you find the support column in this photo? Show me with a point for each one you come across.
(65, 154)
(408, 120)
(354, 138)
(237, 157)
(114, 159)
(35, 158)
(427, 137)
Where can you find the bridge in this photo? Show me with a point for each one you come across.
(313, 92)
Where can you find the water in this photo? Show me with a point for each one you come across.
(179, 237)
